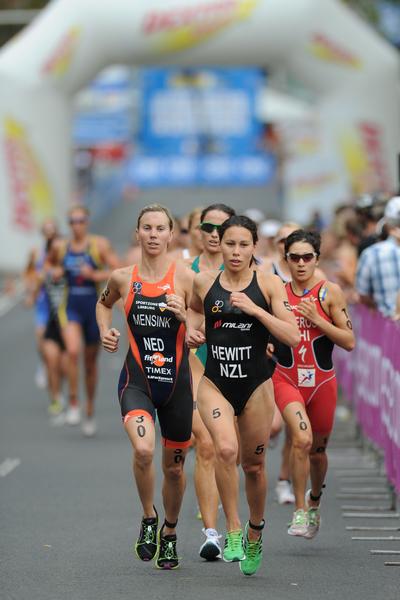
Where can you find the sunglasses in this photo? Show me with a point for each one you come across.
(296, 258)
(209, 227)
(77, 221)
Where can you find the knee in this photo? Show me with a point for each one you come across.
(253, 470)
(302, 443)
(90, 366)
(173, 472)
(205, 450)
(227, 453)
(318, 456)
(73, 354)
(143, 456)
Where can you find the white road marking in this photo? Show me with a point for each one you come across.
(8, 465)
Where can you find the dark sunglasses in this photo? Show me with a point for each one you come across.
(77, 221)
(209, 227)
(296, 258)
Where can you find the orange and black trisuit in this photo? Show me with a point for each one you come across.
(156, 375)
(306, 374)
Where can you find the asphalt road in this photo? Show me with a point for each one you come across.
(69, 512)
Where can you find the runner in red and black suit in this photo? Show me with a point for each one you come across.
(304, 379)
(155, 379)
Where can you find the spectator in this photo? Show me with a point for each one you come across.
(378, 274)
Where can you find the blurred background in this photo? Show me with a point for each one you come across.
(293, 114)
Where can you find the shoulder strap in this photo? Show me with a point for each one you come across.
(195, 265)
(94, 251)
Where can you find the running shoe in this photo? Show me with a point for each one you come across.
(89, 427)
(313, 518)
(167, 557)
(233, 549)
(253, 551)
(73, 415)
(284, 493)
(299, 525)
(146, 544)
(55, 407)
(211, 549)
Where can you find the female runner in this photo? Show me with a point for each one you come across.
(155, 379)
(241, 307)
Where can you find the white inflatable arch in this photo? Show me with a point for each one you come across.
(321, 43)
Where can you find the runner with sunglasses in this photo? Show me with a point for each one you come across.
(304, 379)
(211, 219)
(242, 307)
(283, 488)
(85, 261)
(155, 379)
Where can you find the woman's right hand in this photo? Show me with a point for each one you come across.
(110, 340)
(195, 338)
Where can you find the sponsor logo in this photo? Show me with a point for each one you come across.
(162, 306)
(137, 287)
(239, 326)
(32, 196)
(306, 377)
(60, 61)
(218, 324)
(217, 308)
(164, 288)
(184, 27)
(331, 51)
(302, 353)
(158, 359)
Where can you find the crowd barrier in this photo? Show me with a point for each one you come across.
(369, 378)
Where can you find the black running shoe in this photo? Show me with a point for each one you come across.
(167, 557)
(146, 544)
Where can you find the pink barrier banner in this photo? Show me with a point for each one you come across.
(370, 380)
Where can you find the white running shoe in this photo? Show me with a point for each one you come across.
(284, 493)
(211, 549)
(89, 427)
(313, 518)
(299, 524)
(73, 415)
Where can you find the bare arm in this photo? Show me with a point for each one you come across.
(195, 315)
(282, 323)
(340, 331)
(110, 295)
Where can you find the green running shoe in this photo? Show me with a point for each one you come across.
(253, 551)
(167, 557)
(299, 524)
(233, 549)
(146, 544)
(313, 518)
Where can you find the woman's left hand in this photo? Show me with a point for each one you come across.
(242, 301)
(176, 304)
(308, 309)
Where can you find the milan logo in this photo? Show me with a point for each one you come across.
(218, 324)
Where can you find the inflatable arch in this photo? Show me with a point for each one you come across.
(350, 70)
